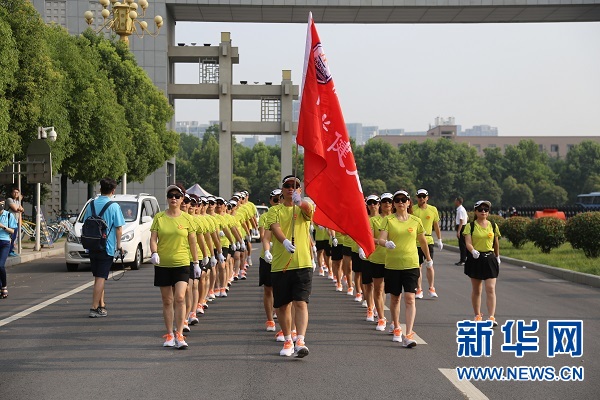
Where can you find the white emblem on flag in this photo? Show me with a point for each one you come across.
(321, 67)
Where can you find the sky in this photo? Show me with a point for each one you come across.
(524, 79)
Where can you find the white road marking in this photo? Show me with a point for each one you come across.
(48, 302)
(465, 387)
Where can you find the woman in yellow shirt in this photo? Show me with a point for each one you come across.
(398, 234)
(172, 238)
(483, 259)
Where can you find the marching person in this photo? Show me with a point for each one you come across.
(265, 260)
(172, 239)
(101, 261)
(8, 225)
(291, 268)
(430, 218)
(398, 234)
(483, 259)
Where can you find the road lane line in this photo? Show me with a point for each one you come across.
(465, 387)
(48, 302)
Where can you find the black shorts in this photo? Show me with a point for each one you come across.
(357, 263)
(264, 273)
(371, 270)
(192, 270)
(100, 263)
(291, 285)
(398, 279)
(324, 245)
(422, 255)
(485, 267)
(346, 251)
(169, 276)
(336, 252)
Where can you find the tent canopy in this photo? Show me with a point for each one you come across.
(198, 190)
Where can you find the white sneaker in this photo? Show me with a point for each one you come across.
(249, 260)
(370, 316)
(364, 304)
(180, 342)
(397, 335)
(169, 340)
(288, 349)
(186, 328)
(350, 292)
(193, 319)
(419, 294)
(391, 330)
(279, 337)
(381, 324)
(270, 325)
(300, 349)
(432, 293)
(217, 293)
(408, 341)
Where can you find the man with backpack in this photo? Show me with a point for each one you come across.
(101, 236)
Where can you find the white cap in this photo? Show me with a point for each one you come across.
(372, 197)
(402, 192)
(387, 195)
(174, 187)
(275, 192)
(480, 202)
(422, 191)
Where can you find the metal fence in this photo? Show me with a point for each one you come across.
(448, 214)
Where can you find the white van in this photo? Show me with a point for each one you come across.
(138, 211)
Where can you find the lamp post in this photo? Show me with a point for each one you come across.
(43, 134)
(122, 19)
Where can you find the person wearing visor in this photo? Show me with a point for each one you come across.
(430, 218)
(227, 241)
(398, 234)
(172, 239)
(208, 280)
(264, 266)
(291, 268)
(377, 258)
(483, 259)
(374, 263)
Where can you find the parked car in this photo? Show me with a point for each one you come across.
(260, 210)
(139, 211)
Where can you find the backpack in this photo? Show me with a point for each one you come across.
(94, 230)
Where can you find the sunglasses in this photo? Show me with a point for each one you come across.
(482, 209)
(212, 203)
(186, 201)
(386, 201)
(400, 199)
(220, 203)
(421, 196)
(372, 203)
(174, 196)
(289, 186)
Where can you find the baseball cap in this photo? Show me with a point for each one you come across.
(480, 202)
(402, 192)
(174, 187)
(422, 191)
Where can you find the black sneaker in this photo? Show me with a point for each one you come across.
(460, 263)
(98, 312)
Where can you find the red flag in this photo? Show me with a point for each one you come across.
(330, 174)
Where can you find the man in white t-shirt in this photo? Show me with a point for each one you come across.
(461, 221)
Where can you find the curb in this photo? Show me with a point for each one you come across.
(567, 275)
(34, 255)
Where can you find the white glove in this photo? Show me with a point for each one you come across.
(440, 244)
(234, 246)
(256, 232)
(314, 264)
(242, 246)
(155, 259)
(268, 256)
(296, 198)
(428, 264)
(289, 246)
(475, 254)
(197, 270)
(213, 261)
(314, 249)
(321, 227)
(334, 242)
(311, 228)
(220, 257)
(390, 245)
(361, 254)
(221, 233)
(499, 260)
(205, 261)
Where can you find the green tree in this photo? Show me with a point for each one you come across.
(547, 193)
(527, 162)
(515, 193)
(493, 159)
(373, 186)
(207, 161)
(381, 161)
(582, 168)
(9, 65)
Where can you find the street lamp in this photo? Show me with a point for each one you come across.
(123, 17)
(43, 134)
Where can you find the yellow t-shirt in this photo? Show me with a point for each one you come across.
(349, 242)
(321, 233)
(404, 235)
(173, 246)
(482, 238)
(223, 225)
(428, 216)
(378, 256)
(301, 258)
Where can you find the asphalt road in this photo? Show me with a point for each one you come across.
(56, 352)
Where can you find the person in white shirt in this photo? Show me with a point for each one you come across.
(461, 221)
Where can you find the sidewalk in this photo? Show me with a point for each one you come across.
(29, 254)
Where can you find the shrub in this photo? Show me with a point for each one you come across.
(583, 232)
(514, 229)
(497, 219)
(546, 233)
